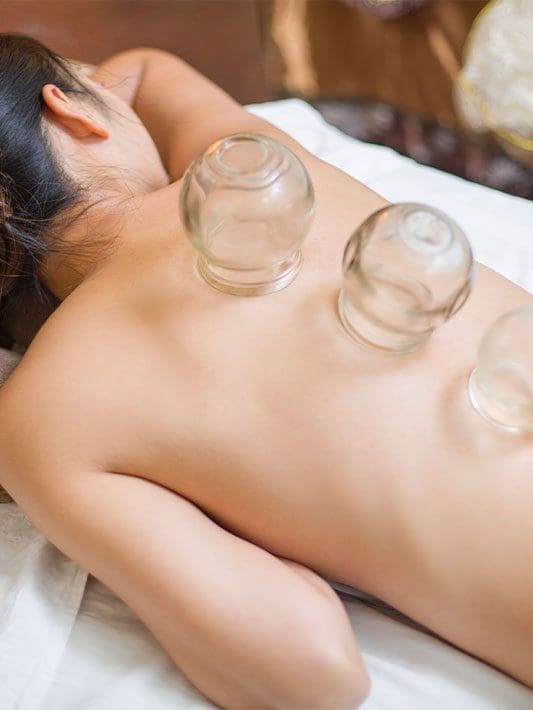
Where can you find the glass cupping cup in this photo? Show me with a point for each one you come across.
(501, 385)
(247, 204)
(407, 269)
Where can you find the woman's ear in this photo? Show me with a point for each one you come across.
(71, 115)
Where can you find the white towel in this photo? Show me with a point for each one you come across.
(40, 594)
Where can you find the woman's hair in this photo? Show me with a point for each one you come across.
(36, 194)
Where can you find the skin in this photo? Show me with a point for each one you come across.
(210, 458)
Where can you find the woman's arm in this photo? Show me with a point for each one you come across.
(248, 629)
(183, 111)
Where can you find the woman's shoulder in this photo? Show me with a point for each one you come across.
(69, 352)
(56, 406)
(92, 323)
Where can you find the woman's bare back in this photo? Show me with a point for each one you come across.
(370, 469)
(202, 454)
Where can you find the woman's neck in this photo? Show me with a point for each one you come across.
(110, 227)
(87, 242)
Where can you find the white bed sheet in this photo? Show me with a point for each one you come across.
(68, 643)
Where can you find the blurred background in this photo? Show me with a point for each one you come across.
(424, 77)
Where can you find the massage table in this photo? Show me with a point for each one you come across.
(68, 643)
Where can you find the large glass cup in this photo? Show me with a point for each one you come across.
(247, 204)
(407, 269)
(501, 386)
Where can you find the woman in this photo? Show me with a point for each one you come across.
(261, 449)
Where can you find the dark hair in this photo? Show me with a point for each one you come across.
(35, 191)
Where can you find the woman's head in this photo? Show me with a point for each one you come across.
(35, 189)
(56, 155)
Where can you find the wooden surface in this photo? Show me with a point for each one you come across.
(334, 50)
(405, 62)
(224, 39)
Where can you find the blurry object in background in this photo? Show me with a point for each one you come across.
(335, 49)
(494, 90)
(429, 143)
(386, 8)
(391, 81)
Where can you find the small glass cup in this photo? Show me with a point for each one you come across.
(501, 386)
(247, 204)
(407, 269)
